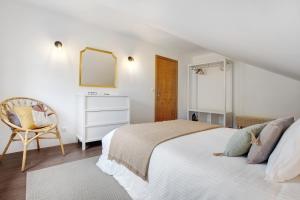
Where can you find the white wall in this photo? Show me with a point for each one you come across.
(258, 92)
(31, 66)
(262, 93)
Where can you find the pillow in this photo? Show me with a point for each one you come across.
(24, 114)
(284, 162)
(268, 139)
(240, 142)
(40, 116)
(13, 118)
(39, 108)
(41, 119)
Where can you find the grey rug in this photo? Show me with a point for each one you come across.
(79, 180)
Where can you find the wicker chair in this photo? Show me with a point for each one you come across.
(26, 136)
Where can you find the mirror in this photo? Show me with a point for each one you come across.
(97, 68)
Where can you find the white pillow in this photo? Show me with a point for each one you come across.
(41, 119)
(284, 162)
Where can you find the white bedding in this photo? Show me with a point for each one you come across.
(185, 169)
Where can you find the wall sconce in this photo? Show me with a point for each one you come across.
(58, 44)
(130, 59)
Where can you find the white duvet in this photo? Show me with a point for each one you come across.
(185, 169)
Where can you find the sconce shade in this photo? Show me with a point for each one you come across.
(130, 58)
(58, 44)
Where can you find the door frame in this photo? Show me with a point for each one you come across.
(156, 66)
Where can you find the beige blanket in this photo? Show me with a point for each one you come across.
(132, 145)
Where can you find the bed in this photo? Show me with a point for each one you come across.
(184, 168)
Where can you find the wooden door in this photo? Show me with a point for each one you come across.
(166, 87)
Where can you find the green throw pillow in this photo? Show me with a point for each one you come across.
(240, 142)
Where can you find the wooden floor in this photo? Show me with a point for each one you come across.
(13, 181)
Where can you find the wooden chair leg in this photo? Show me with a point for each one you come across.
(60, 141)
(12, 136)
(37, 142)
(24, 152)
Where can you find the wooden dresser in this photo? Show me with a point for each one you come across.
(99, 114)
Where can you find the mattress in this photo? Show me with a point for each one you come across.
(184, 168)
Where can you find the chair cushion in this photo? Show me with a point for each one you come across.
(268, 138)
(24, 114)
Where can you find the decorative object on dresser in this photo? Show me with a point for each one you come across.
(99, 114)
(210, 92)
(245, 121)
(29, 119)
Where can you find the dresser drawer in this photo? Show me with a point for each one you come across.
(106, 116)
(97, 133)
(100, 102)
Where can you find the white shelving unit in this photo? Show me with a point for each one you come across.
(210, 92)
(99, 114)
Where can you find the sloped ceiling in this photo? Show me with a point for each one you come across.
(95, 13)
(264, 33)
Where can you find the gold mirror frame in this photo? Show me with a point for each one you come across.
(80, 68)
